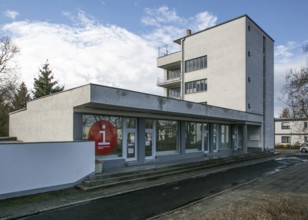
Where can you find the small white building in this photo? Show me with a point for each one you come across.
(290, 131)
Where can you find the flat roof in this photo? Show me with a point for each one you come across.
(178, 41)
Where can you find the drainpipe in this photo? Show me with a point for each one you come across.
(182, 70)
(188, 33)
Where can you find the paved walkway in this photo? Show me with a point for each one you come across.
(291, 181)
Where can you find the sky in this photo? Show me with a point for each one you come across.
(115, 42)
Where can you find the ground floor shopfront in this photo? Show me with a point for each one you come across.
(123, 141)
(132, 128)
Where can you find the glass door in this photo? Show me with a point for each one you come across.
(214, 138)
(149, 139)
(131, 145)
(130, 139)
(205, 136)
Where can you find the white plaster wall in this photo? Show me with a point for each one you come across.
(48, 118)
(295, 127)
(297, 132)
(225, 48)
(34, 166)
(293, 137)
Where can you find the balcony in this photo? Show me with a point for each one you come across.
(169, 60)
(166, 83)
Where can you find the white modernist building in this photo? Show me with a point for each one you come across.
(290, 131)
(229, 66)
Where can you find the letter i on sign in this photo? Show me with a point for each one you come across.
(104, 143)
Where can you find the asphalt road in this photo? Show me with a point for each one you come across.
(143, 204)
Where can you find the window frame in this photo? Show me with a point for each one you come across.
(285, 125)
(287, 141)
(191, 87)
(196, 64)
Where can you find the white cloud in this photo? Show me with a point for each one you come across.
(11, 14)
(168, 26)
(203, 20)
(160, 16)
(89, 52)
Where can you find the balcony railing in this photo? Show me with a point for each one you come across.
(164, 82)
(168, 49)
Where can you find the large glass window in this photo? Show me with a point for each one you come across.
(196, 64)
(113, 147)
(149, 141)
(174, 92)
(194, 133)
(174, 73)
(196, 86)
(166, 137)
(237, 137)
(224, 139)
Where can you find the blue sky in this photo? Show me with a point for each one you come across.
(114, 42)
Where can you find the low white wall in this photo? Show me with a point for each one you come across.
(27, 168)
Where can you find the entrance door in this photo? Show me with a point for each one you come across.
(131, 145)
(130, 139)
(149, 139)
(205, 142)
(214, 138)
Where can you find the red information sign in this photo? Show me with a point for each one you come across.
(105, 136)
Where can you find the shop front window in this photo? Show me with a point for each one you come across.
(166, 137)
(224, 137)
(106, 131)
(193, 133)
(149, 138)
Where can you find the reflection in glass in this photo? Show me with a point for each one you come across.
(166, 137)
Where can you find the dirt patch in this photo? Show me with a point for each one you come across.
(263, 206)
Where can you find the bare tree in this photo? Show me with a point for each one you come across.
(8, 81)
(285, 113)
(8, 77)
(296, 90)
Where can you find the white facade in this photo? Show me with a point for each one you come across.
(291, 131)
(132, 128)
(28, 168)
(239, 71)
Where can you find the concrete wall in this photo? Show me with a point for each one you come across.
(260, 82)
(37, 167)
(48, 118)
(123, 100)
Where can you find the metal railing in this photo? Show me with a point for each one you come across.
(168, 49)
(163, 80)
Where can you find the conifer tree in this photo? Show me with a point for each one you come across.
(45, 83)
(21, 97)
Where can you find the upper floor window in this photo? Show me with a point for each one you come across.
(285, 125)
(196, 86)
(173, 73)
(196, 64)
(174, 92)
(305, 125)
